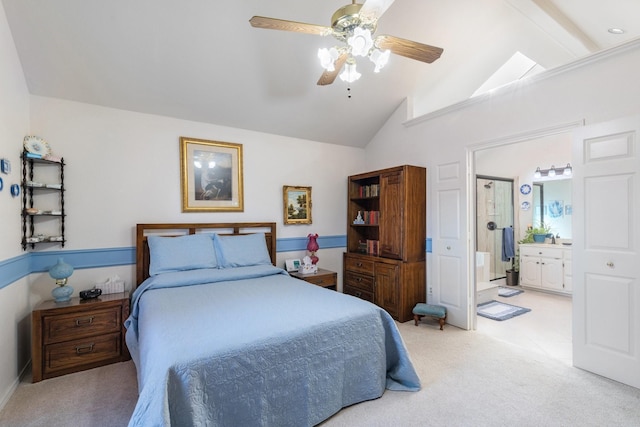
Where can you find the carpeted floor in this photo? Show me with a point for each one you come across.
(468, 379)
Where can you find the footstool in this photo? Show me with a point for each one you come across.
(432, 310)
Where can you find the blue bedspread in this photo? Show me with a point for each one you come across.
(252, 346)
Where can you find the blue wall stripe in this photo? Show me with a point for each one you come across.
(34, 262)
(290, 244)
(88, 258)
(14, 269)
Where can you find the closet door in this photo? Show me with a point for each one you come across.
(606, 249)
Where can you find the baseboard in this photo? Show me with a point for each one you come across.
(7, 395)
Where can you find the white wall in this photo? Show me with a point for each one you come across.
(123, 168)
(14, 124)
(600, 88)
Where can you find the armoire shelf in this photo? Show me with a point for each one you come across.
(37, 207)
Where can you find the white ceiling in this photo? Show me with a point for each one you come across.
(201, 60)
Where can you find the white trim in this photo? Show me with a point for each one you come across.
(579, 63)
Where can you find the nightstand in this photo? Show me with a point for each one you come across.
(325, 278)
(77, 335)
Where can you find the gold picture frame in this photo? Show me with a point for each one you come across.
(297, 204)
(211, 176)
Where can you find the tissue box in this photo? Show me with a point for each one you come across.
(113, 285)
(308, 269)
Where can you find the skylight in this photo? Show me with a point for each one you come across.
(517, 67)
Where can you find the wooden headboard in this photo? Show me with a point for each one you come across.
(181, 229)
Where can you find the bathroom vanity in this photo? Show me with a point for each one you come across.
(546, 267)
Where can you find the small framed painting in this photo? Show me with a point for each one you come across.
(211, 174)
(297, 204)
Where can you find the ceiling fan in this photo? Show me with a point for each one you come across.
(354, 24)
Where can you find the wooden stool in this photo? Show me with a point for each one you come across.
(437, 311)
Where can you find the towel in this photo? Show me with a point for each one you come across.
(507, 244)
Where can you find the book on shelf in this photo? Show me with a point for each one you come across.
(369, 247)
(372, 190)
(371, 217)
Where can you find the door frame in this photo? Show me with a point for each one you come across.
(471, 196)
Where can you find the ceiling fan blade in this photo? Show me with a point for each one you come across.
(408, 48)
(373, 9)
(328, 77)
(284, 25)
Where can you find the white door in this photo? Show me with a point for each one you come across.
(606, 250)
(449, 263)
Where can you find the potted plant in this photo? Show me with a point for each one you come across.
(536, 234)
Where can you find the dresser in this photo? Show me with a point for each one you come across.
(77, 335)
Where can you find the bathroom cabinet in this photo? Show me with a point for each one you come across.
(545, 267)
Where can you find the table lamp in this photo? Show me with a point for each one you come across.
(61, 271)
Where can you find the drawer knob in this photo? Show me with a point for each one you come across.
(83, 349)
(358, 294)
(359, 264)
(85, 321)
(359, 279)
(611, 264)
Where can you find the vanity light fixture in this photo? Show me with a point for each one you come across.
(553, 171)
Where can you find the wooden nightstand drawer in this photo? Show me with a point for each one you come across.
(354, 280)
(359, 265)
(59, 328)
(325, 278)
(324, 281)
(81, 352)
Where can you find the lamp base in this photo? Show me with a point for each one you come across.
(62, 293)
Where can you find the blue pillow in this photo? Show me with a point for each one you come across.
(241, 250)
(169, 254)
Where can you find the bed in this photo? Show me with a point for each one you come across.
(235, 340)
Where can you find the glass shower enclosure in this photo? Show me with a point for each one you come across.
(494, 212)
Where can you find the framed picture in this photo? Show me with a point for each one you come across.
(292, 265)
(297, 205)
(211, 174)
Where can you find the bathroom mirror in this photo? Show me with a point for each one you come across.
(552, 206)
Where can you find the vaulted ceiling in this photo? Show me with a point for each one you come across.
(201, 60)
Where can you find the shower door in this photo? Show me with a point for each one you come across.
(494, 212)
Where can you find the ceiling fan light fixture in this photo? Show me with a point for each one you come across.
(328, 58)
(349, 74)
(360, 42)
(379, 58)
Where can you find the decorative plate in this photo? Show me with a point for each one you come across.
(525, 206)
(36, 145)
(525, 189)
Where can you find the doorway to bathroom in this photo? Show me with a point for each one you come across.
(494, 227)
